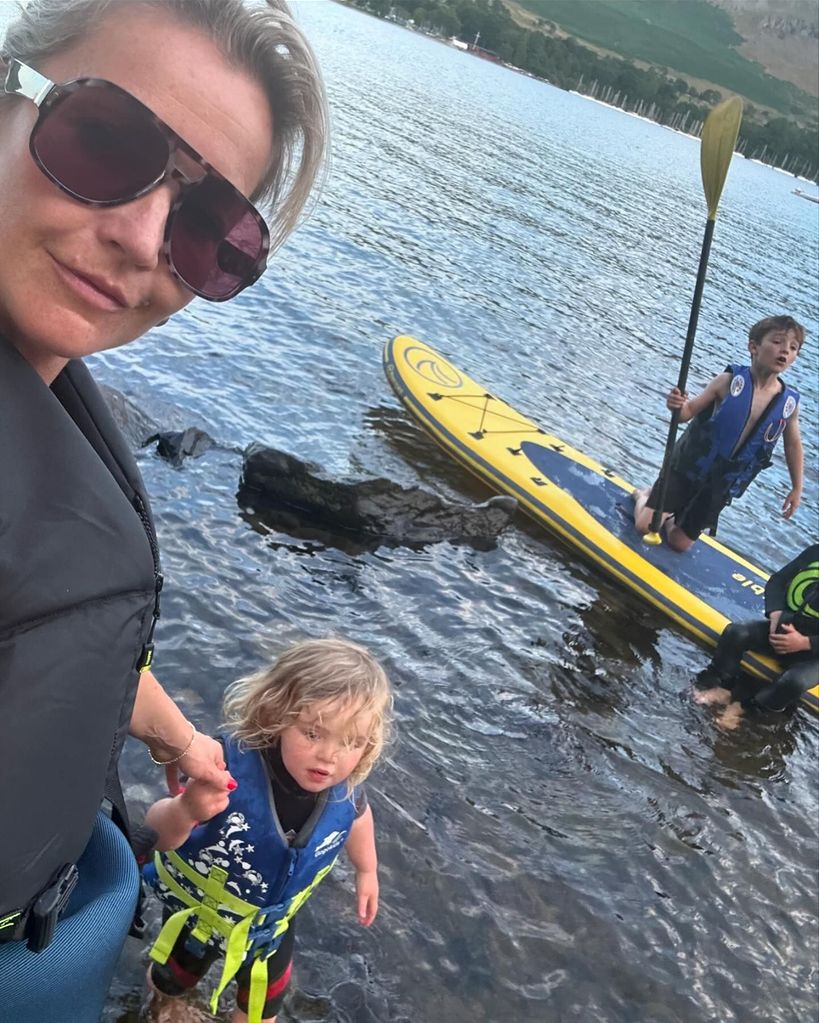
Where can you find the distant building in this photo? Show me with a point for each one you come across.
(479, 51)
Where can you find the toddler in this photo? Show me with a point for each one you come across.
(234, 866)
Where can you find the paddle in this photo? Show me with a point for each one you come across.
(719, 137)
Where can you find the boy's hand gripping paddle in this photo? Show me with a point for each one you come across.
(719, 137)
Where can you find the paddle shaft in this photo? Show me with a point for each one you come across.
(683, 378)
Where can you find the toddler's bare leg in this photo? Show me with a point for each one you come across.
(162, 1008)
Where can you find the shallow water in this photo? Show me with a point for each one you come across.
(563, 835)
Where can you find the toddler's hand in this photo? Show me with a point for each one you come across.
(202, 800)
(366, 890)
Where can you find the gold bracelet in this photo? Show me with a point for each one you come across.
(173, 760)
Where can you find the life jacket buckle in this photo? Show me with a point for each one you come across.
(48, 906)
(146, 658)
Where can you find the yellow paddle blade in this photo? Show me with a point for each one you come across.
(719, 138)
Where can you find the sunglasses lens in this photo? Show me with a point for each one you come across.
(217, 240)
(101, 144)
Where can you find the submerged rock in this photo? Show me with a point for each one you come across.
(176, 446)
(135, 424)
(282, 491)
(140, 428)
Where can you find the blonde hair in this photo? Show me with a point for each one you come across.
(261, 38)
(260, 707)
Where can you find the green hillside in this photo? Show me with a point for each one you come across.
(668, 60)
(691, 37)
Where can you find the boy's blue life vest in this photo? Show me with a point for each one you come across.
(705, 453)
(239, 881)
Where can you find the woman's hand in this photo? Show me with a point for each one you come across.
(204, 761)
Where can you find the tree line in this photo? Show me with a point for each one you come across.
(652, 92)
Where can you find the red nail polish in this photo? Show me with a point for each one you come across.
(232, 785)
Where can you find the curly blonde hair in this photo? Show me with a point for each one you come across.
(258, 708)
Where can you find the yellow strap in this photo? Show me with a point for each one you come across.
(208, 918)
(169, 935)
(234, 957)
(258, 991)
(228, 900)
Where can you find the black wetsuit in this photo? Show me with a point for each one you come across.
(793, 590)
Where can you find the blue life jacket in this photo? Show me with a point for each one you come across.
(237, 878)
(706, 451)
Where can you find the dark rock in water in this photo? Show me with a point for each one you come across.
(175, 447)
(294, 496)
(140, 429)
(135, 425)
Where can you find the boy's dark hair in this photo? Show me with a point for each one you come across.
(759, 330)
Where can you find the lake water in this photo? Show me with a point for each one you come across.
(563, 836)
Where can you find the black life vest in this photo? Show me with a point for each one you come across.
(79, 580)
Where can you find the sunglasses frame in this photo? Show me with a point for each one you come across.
(27, 83)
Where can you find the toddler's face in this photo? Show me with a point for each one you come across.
(325, 745)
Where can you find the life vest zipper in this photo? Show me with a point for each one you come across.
(146, 655)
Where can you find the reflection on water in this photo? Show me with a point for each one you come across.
(563, 835)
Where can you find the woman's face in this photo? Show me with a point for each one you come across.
(75, 279)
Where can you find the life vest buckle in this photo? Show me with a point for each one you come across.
(49, 905)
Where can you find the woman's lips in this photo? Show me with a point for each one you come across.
(94, 291)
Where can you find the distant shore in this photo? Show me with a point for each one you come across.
(685, 117)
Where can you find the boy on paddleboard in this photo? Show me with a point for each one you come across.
(790, 631)
(737, 421)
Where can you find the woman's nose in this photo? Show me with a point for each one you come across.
(137, 228)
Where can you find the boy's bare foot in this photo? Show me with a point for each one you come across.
(730, 718)
(716, 697)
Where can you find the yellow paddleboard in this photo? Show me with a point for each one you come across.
(587, 506)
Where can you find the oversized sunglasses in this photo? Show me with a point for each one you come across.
(103, 147)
